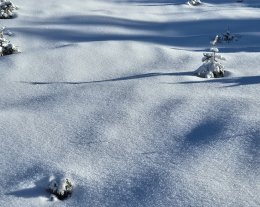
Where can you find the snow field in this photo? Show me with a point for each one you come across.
(104, 93)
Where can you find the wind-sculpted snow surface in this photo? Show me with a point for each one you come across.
(104, 94)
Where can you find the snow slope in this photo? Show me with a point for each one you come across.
(104, 93)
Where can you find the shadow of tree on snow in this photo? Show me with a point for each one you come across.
(125, 78)
(235, 81)
(172, 33)
(39, 190)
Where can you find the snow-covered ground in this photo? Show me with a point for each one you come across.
(103, 93)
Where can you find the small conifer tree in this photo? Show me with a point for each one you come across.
(7, 9)
(211, 67)
(6, 48)
(194, 2)
(62, 188)
(228, 37)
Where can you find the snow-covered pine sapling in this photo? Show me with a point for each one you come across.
(7, 9)
(62, 189)
(228, 37)
(225, 37)
(211, 67)
(6, 48)
(194, 2)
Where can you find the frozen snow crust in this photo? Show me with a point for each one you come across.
(103, 93)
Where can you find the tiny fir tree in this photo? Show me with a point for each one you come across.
(61, 189)
(211, 67)
(194, 2)
(6, 48)
(228, 37)
(225, 37)
(7, 9)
